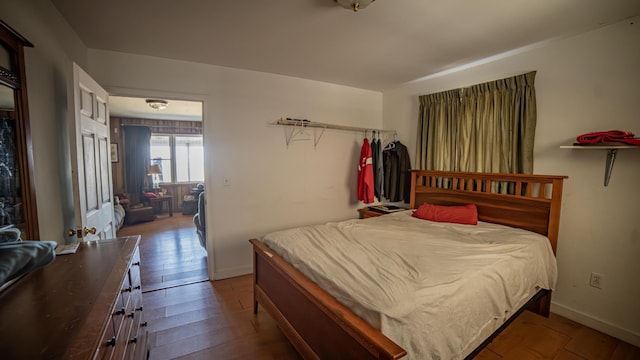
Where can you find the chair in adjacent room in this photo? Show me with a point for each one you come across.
(199, 221)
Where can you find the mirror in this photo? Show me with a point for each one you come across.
(10, 189)
(17, 196)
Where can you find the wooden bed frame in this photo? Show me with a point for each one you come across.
(320, 327)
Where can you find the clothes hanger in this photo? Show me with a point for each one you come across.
(390, 145)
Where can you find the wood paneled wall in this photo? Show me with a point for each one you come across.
(157, 127)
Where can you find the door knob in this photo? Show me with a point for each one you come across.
(86, 231)
(71, 232)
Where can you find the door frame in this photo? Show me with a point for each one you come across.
(171, 95)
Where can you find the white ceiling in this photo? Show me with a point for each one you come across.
(133, 107)
(380, 47)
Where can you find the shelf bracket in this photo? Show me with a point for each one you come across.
(612, 151)
(611, 157)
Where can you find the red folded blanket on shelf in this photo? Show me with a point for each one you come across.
(625, 137)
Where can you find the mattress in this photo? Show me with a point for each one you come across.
(436, 289)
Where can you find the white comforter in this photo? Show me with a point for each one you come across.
(436, 289)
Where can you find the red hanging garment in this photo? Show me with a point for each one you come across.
(365, 174)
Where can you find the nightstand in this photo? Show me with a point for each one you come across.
(369, 213)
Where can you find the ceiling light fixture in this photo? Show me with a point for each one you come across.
(157, 104)
(354, 5)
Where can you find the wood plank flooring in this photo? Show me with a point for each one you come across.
(192, 318)
(170, 252)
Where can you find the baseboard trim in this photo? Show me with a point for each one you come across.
(233, 272)
(597, 324)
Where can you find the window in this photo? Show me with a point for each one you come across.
(189, 158)
(161, 155)
(180, 157)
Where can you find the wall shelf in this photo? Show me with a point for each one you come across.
(298, 132)
(612, 151)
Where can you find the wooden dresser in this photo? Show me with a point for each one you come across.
(86, 305)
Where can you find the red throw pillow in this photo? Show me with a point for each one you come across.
(149, 194)
(463, 214)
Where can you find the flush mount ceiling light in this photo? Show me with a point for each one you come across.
(157, 104)
(354, 5)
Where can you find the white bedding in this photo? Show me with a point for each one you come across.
(436, 289)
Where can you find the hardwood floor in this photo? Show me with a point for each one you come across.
(192, 318)
(170, 252)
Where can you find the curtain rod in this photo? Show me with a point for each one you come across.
(314, 124)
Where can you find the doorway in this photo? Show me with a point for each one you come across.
(159, 179)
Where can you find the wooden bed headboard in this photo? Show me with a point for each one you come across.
(530, 202)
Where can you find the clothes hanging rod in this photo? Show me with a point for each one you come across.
(314, 124)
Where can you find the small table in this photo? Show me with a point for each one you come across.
(157, 202)
(373, 211)
(366, 213)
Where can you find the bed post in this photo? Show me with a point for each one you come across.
(554, 213)
(412, 202)
(255, 281)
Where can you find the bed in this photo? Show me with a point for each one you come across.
(320, 326)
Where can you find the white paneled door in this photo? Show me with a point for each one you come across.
(91, 158)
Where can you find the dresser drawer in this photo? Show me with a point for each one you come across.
(127, 336)
(134, 270)
(137, 345)
(108, 343)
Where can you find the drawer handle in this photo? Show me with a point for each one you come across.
(137, 263)
(112, 341)
(144, 324)
(131, 315)
(127, 289)
(119, 312)
(139, 309)
(134, 340)
(138, 287)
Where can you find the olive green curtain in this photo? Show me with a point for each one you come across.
(487, 127)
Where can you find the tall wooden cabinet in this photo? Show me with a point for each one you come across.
(17, 189)
(86, 305)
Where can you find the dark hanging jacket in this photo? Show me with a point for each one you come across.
(397, 176)
(375, 152)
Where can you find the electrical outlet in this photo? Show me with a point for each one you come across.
(597, 280)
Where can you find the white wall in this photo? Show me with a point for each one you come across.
(271, 187)
(584, 83)
(47, 63)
